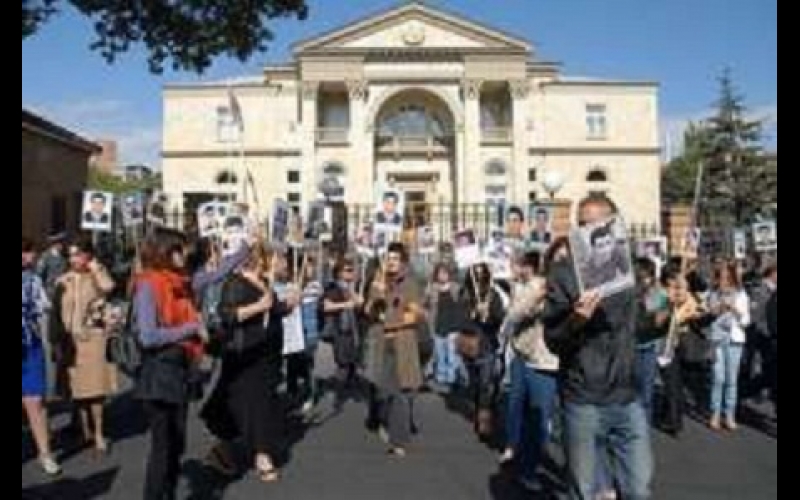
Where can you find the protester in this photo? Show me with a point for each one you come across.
(34, 384)
(169, 327)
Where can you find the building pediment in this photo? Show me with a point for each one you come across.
(413, 26)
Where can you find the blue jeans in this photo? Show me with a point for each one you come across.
(447, 363)
(646, 375)
(624, 431)
(531, 407)
(725, 391)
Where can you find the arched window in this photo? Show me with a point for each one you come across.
(496, 168)
(226, 178)
(597, 175)
(412, 120)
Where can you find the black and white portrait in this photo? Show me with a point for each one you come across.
(210, 219)
(740, 245)
(279, 224)
(234, 234)
(133, 210)
(654, 249)
(157, 210)
(315, 221)
(498, 254)
(365, 240)
(467, 249)
(389, 211)
(515, 222)
(603, 257)
(765, 236)
(541, 226)
(426, 240)
(97, 211)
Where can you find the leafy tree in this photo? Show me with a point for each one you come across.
(189, 34)
(110, 183)
(679, 183)
(738, 185)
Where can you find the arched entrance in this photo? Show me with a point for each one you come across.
(415, 150)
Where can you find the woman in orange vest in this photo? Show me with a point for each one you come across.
(169, 331)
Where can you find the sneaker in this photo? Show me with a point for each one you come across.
(507, 457)
(50, 466)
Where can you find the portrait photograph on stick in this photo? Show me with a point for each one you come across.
(390, 209)
(132, 210)
(97, 212)
(541, 231)
(602, 254)
(765, 236)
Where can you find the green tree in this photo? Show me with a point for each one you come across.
(109, 183)
(188, 34)
(738, 184)
(679, 182)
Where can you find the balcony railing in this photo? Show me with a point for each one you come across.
(497, 135)
(413, 144)
(332, 136)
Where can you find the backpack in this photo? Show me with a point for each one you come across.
(123, 347)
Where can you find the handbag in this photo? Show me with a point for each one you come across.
(123, 347)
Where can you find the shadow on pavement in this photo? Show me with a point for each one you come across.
(92, 487)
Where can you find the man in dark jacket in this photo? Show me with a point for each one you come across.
(772, 324)
(596, 341)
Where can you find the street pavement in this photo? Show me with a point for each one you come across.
(337, 459)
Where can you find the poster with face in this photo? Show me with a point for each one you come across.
(365, 240)
(540, 218)
(654, 249)
(515, 223)
(765, 236)
(690, 245)
(279, 224)
(390, 210)
(740, 245)
(315, 219)
(426, 240)
(602, 257)
(234, 234)
(133, 210)
(498, 254)
(157, 209)
(467, 250)
(211, 218)
(97, 211)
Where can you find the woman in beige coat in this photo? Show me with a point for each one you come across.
(91, 378)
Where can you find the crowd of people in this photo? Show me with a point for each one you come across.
(540, 360)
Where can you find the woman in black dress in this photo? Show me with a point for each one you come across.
(245, 404)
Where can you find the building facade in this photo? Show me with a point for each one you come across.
(55, 164)
(444, 108)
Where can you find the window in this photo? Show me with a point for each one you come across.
(58, 214)
(293, 177)
(597, 121)
(295, 198)
(496, 168)
(533, 175)
(533, 197)
(496, 194)
(413, 121)
(226, 177)
(597, 176)
(227, 129)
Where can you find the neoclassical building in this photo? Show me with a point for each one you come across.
(445, 108)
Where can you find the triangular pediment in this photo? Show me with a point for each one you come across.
(414, 26)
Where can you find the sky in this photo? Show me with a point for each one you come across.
(682, 44)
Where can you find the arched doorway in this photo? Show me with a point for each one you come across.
(415, 150)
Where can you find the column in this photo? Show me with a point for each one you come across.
(470, 167)
(360, 174)
(311, 168)
(520, 92)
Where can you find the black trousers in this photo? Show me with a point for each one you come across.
(674, 397)
(168, 444)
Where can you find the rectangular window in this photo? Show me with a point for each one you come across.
(227, 131)
(533, 175)
(294, 198)
(293, 177)
(496, 194)
(597, 121)
(533, 197)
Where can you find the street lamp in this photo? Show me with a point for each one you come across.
(553, 182)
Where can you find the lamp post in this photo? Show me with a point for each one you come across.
(553, 182)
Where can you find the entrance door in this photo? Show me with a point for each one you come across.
(417, 209)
